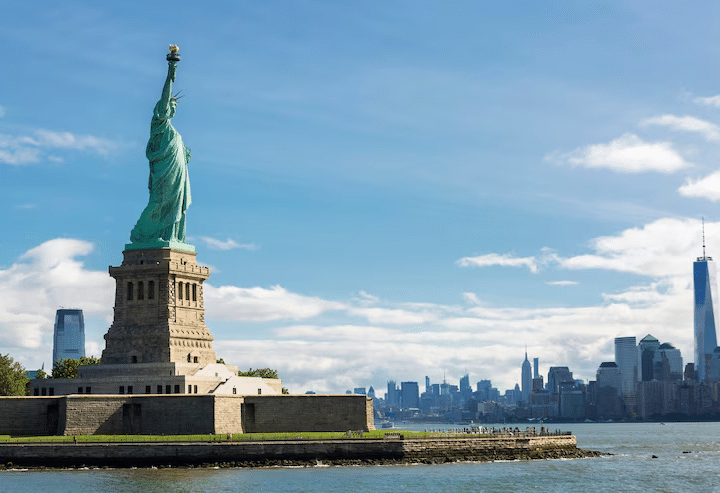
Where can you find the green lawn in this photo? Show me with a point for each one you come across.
(220, 438)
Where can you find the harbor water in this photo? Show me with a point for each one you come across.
(645, 457)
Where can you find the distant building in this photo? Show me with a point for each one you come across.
(444, 388)
(486, 392)
(69, 335)
(558, 375)
(690, 375)
(359, 391)
(572, 403)
(526, 379)
(608, 375)
(410, 395)
(706, 312)
(465, 384)
(626, 360)
(537, 383)
(513, 396)
(536, 368)
(608, 390)
(393, 395)
(646, 354)
(667, 363)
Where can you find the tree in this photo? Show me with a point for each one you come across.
(41, 375)
(259, 372)
(68, 368)
(13, 380)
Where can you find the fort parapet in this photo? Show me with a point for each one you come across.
(296, 452)
(182, 414)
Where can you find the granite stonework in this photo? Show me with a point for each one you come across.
(159, 310)
(182, 414)
(230, 453)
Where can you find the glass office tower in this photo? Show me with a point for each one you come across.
(626, 359)
(705, 281)
(69, 335)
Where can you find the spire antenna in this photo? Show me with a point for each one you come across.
(703, 231)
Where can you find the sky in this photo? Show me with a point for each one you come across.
(383, 190)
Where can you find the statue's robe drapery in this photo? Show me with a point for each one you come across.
(164, 217)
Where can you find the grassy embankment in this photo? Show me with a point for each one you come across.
(236, 437)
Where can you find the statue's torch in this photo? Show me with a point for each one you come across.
(174, 55)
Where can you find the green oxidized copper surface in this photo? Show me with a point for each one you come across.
(162, 223)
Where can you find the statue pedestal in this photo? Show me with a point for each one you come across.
(159, 310)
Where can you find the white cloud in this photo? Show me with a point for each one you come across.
(626, 154)
(471, 298)
(658, 249)
(393, 316)
(708, 187)
(562, 283)
(709, 101)
(505, 260)
(687, 123)
(19, 156)
(226, 245)
(67, 140)
(366, 299)
(41, 281)
(647, 294)
(25, 149)
(260, 304)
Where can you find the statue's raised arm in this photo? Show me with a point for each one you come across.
(162, 108)
(162, 223)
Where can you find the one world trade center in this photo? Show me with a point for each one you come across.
(706, 312)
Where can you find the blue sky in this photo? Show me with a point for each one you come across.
(383, 190)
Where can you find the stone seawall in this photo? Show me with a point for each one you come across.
(182, 414)
(292, 452)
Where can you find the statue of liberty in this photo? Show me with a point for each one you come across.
(162, 223)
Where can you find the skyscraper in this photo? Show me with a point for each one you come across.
(626, 360)
(667, 356)
(646, 353)
(558, 375)
(526, 379)
(706, 321)
(69, 335)
(465, 388)
(410, 395)
(393, 396)
(609, 375)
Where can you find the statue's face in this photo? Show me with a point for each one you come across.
(173, 107)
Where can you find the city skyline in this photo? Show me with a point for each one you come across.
(377, 187)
